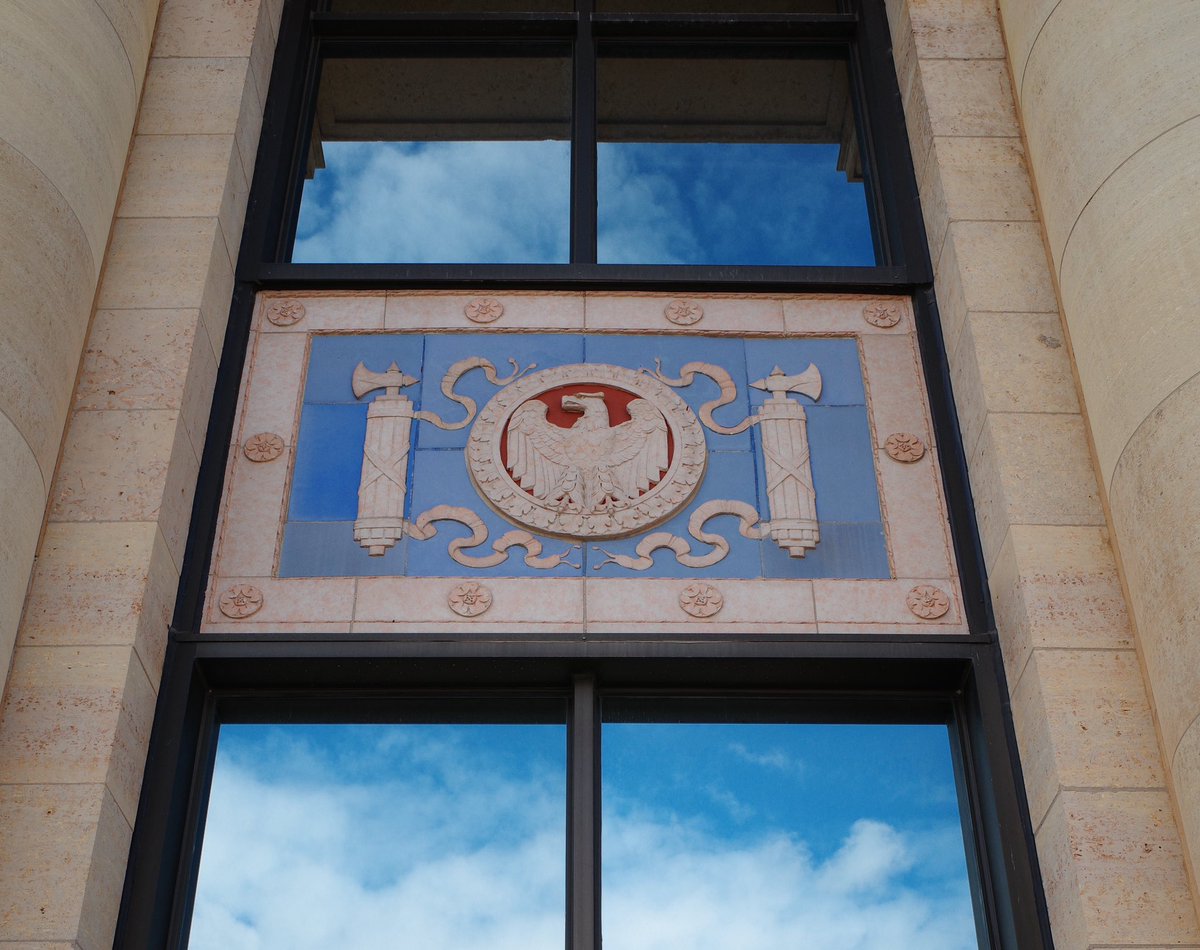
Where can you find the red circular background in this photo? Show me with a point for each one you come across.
(617, 401)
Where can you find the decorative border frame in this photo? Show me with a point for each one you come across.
(910, 491)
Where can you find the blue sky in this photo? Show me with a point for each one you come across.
(509, 202)
(451, 837)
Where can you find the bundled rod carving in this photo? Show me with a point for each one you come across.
(783, 435)
(383, 484)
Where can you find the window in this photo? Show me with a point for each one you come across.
(409, 834)
(439, 159)
(627, 137)
(681, 148)
(745, 832)
(486, 814)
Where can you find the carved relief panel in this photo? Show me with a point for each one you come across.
(594, 459)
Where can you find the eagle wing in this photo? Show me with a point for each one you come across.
(538, 456)
(639, 449)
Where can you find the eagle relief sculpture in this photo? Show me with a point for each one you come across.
(594, 466)
(587, 451)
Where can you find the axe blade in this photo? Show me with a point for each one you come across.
(808, 382)
(364, 380)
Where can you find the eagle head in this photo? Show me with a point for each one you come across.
(595, 412)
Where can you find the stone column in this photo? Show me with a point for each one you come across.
(1109, 93)
(1108, 842)
(80, 697)
(71, 72)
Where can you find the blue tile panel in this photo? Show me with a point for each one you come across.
(319, 538)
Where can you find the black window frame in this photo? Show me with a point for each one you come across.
(258, 681)
(309, 35)
(880, 678)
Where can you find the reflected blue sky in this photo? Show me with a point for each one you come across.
(715, 837)
(764, 837)
(371, 837)
(437, 202)
(729, 203)
(509, 202)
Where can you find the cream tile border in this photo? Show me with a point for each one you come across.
(254, 507)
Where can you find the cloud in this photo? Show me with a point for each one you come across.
(509, 202)
(437, 202)
(431, 845)
(775, 759)
(738, 810)
(667, 887)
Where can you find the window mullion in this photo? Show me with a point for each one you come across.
(583, 841)
(583, 142)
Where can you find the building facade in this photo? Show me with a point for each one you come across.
(1051, 148)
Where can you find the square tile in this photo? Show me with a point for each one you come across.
(335, 356)
(329, 460)
(328, 549)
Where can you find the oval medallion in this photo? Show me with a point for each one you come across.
(587, 451)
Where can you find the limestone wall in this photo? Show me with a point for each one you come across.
(1110, 94)
(80, 697)
(72, 72)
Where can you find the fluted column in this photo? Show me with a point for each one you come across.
(1109, 91)
(79, 702)
(71, 71)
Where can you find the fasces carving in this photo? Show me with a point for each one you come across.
(783, 436)
(784, 443)
(241, 601)
(884, 315)
(904, 447)
(264, 447)
(286, 314)
(683, 313)
(469, 599)
(748, 527)
(383, 484)
(422, 528)
(634, 456)
(928, 602)
(484, 310)
(701, 600)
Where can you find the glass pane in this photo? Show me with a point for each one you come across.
(729, 161)
(812, 7)
(767, 836)
(451, 6)
(439, 160)
(384, 837)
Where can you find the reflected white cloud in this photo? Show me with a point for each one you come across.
(437, 202)
(670, 884)
(390, 843)
(509, 202)
(424, 844)
(770, 759)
